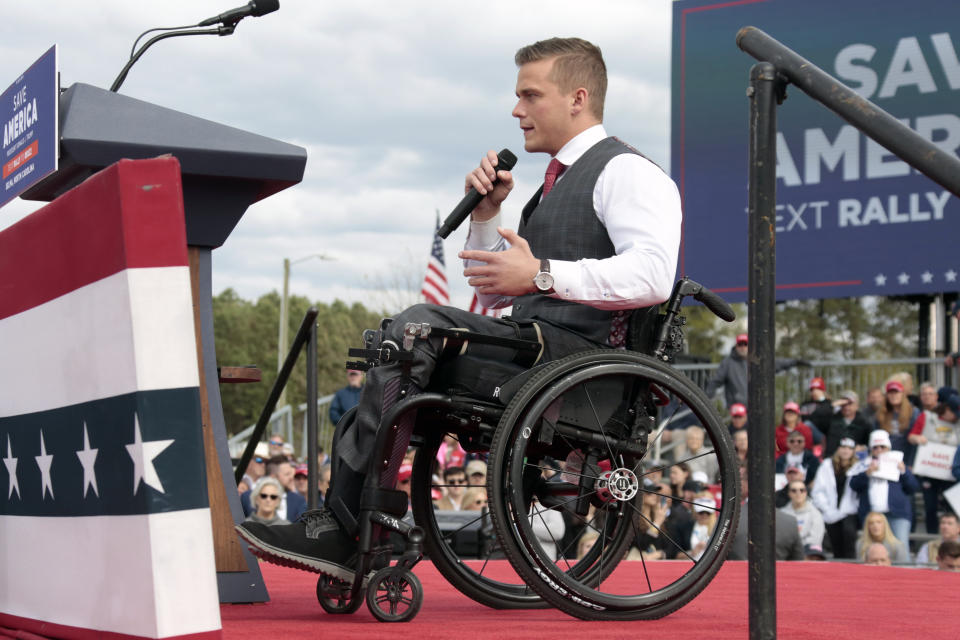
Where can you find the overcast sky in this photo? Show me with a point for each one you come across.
(394, 102)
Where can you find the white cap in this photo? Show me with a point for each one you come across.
(879, 437)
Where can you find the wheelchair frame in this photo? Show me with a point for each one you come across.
(393, 593)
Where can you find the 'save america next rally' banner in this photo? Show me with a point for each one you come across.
(28, 113)
(852, 218)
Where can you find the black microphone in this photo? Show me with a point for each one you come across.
(505, 162)
(254, 8)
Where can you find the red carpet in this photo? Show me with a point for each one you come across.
(815, 600)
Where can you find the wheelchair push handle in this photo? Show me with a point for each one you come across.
(670, 337)
(716, 304)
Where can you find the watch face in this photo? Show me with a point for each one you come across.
(544, 281)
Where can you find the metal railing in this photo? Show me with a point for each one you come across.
(291, 423)
(839, 375)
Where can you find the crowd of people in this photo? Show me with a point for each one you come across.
(850, 477)
(846, 482)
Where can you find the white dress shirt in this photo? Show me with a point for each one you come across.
(640, 207)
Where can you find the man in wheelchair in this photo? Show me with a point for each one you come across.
(599, 239)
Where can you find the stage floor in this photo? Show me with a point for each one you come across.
(814, 600)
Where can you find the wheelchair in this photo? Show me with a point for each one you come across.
(575, 436)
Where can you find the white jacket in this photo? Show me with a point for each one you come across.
(824, 494)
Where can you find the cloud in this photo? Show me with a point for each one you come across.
(393, 102)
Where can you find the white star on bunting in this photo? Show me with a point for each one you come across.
(927, 277)
(881, 280)
(950, 275)
(903, 278)
(142, 454)
(44, 461)
(11, 463)
(87, 457)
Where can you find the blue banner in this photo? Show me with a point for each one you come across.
(852, 219)
(30, 120)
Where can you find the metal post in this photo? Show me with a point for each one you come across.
(284, 320)
(312, 418)
(762, 199)
(940, 338)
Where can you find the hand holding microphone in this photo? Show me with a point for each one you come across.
(480, 182)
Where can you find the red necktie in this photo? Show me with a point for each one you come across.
(554, 169)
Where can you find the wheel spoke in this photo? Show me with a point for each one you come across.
(664, 533)
(596, 416)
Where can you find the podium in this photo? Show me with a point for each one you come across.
(224, 170)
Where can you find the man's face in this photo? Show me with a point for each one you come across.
(796, 444)
(257, 467)
(456, 484)
(276, 446)
(849, 409)
(694, 440)
(947, 563)
(738, 422)
(354, 378)
(877, 555)
(743, 349)
(543, 109)
(285, 476)
(301, 484)
(949, 528)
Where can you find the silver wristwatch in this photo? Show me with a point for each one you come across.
(544, 279)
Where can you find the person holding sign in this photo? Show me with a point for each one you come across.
(936, 435)
(886, 486)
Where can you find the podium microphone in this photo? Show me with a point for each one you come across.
(505, 162)
(227, 23)
(253, 8)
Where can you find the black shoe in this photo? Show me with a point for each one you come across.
(316, 542)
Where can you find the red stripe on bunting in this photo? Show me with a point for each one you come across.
(129, 215)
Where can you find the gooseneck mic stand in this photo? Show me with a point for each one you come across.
(226, 21)
(222, 30)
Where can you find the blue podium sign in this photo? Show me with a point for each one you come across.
(29, 115)
(852, 219)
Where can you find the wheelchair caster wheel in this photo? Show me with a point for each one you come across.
(392, 597)
(334, 596)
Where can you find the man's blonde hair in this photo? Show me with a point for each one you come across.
(578, 64)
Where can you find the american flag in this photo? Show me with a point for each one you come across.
(476, 307)
(435, 288)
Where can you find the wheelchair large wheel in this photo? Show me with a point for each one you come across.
(600, 412)
(472, 577)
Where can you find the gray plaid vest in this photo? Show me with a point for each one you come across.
(564, 226)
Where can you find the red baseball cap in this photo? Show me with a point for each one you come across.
(406, 470)
(742, 339)
(792, 406)
(893, 385)
(818, 383)
(737, 409)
